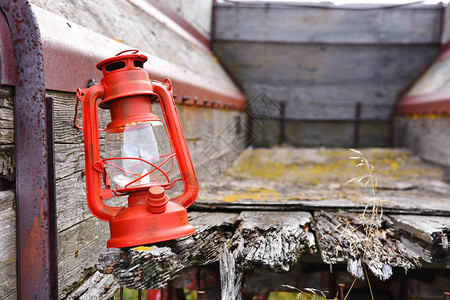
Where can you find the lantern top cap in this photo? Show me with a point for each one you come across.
(122, 57)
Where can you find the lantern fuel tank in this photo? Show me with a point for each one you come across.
(145, 157)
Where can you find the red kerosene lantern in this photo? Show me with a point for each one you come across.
(141, 155)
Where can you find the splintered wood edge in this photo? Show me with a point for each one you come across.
(152, 266)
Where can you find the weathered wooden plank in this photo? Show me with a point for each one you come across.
(6, 96)
(266, 133)
(71, 200)
(77, 246)
(274, 241)
(426, 137)
(429, 229)
(7, 162)
(64, 110)
(6, 121)
(304, 179)
(331, 64)
(230, 282)
(262, 240)
(329, 206)
(426, 236)
(197, 13)
(98, 286)
(6, 115)
(335, 101)
(152, 267)
(7, 245)
(341, 237)
(297, 24)
(69, 159)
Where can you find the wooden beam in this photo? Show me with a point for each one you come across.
(274, 241)
(261, 240)
(300, 24)
(153, 266)
(380, 252)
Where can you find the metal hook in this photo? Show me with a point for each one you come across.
(168, 84)
(79, 95)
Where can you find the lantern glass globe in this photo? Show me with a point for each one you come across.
(139, 155)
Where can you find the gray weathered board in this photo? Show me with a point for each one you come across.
(290, 23)
(259, 240)
(427, 137)
(275, 241)
(321, 62)
(322, 82)
(315, 179)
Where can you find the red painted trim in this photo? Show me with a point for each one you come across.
(434, 103)
(437, 102)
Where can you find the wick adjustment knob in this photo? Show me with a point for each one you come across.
(156, 200)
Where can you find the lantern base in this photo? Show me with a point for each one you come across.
(135, 226)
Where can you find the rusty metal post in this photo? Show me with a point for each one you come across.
(200, 291)
(341, 291)
(37, 274)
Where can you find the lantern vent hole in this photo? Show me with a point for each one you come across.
(115, 66)
(138, 64)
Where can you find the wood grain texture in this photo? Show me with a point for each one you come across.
(230, 282)
(6, 115)
(426, 137)
(112, 19)
(261, 240)
(98, 286)
(337, 101)
(307, 64)
(338, 245)
(267, 133)
(77, 247)
(152, 267)
(64, 110)
(297, 24)
(8, 284)
(428, 237)
(197, 13)
(274, 241)
(7, 162)
(324, 82)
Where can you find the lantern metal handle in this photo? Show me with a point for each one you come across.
(173, 123)
(94, 192)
